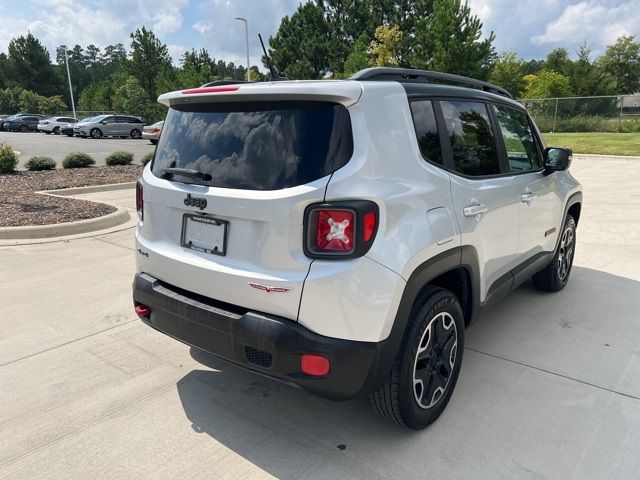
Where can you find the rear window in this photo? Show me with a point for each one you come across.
(265, 146)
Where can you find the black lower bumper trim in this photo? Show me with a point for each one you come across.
(275, 344)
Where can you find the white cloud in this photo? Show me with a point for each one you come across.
(168, 16)
(176, 51)
(201, 27)
(595, 22)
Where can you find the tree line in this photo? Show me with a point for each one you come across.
(321, 39)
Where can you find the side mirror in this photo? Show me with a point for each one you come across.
(557, 159)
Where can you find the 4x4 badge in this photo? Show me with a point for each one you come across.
(190, 201)
(267, 289)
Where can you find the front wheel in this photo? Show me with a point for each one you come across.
(556, 275)
(96, 133)
(56, 130)
(24, 128)
(428, 362)
(135, 134)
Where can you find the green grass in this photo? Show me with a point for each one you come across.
(598, 143)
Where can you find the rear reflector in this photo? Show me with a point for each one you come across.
(143, 311)
(139, 200)
(220, 89)
(315, 365)
(369, 226)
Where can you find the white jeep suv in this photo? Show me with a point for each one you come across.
(341, 235)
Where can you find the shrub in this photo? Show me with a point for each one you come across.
(78, 160)
(119, 158)
(147, 158)
(40, 163)
(587, 123)
(8, 159)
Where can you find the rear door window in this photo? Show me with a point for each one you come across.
(473, 143)
(255, 146)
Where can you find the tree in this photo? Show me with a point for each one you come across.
(10, 100)
(29, 66)
(150, 61)
(558, 61)
(29, 101)
(358, 59)
(622, 61)
(547, 84)
(131, 98)
(384, 46)
(51, 105)
(508, 72)
(449, 41)
(303, 46)
(586, 78)
(4, 70)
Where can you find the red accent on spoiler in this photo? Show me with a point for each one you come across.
(222, 88)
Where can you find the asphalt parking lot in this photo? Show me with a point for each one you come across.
(57, 146)
(549, 388)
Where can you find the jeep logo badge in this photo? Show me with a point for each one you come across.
(190, 201)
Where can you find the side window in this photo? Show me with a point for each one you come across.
(110, 120)
(424, 120)
(518, 139)
(472, 141)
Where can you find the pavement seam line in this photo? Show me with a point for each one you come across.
(66, 343)
(553, 373)
(111, 243)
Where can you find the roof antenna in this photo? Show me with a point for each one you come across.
(273, 76)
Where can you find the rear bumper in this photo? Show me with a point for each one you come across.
(267, 344)
(150, 136)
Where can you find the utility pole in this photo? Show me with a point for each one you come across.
(246, 41)
(66, 60)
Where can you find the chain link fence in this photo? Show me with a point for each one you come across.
(619, 113)
(80, 114)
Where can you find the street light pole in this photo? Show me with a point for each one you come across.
(246, 41)
(66, 60)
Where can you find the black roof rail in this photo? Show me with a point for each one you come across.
(426, 76)
(218, 83)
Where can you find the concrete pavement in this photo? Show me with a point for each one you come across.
(549, 388)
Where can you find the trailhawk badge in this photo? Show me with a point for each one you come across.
(267, 289)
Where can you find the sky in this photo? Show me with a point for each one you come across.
(531, 28)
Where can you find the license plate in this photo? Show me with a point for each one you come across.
(204, 234)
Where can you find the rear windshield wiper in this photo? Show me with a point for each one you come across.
(186, 172)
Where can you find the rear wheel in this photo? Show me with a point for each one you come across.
(556, 275)
(96, 133)
(428, 362)
(153, 142)
(24, 128)
(135, 134)
(56, 130)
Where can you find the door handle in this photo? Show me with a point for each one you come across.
(473, 210)
(527, 197)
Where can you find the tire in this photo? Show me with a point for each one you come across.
(24, 128)
(48, 133)
(555, 276)
(153, 142)
(69, 134)
(403, 398)
(56, 130)
(135, 134)
(95, 133)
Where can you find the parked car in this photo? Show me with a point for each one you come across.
(152, 132)
(342, 235)
(67, 128)
(2, 119)
(23, 122)
(54, 124)
(110, 126)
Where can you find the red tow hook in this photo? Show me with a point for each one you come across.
(143, 311)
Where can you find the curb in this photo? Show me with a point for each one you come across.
(34, 232)
(607, 157)
(120, 216)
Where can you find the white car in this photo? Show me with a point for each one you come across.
(341, 235)
(54, 124)
(152, 132)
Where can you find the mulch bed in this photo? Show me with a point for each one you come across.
(21, 206)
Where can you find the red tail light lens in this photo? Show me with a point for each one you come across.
(334, 230)
(344, 229)
(156, 130)
(139, 200)
(218, 89)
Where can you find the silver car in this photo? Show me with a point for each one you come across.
(110, 126)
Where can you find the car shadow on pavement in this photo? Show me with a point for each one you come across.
(290, 433)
